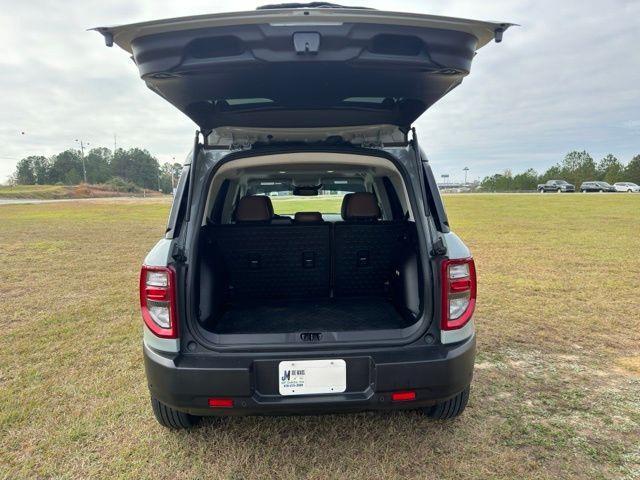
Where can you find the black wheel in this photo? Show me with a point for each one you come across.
(450, 408)
(541, 190)
(170, 418)
(559, 190)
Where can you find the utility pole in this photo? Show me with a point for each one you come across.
(466, 170)
(115, 144)
(84, 168)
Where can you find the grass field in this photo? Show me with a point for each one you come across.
(556, 392)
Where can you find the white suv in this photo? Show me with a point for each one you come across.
(626, 187)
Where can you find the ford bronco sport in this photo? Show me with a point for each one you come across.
(308, 265)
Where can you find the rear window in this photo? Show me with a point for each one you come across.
(287, 199)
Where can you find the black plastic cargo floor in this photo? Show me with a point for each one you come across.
(314, 315)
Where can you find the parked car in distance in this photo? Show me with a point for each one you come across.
(362, 305)
(596, 187)
(559, 186)
(626, 187)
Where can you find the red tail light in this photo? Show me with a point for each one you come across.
(221, 402)
(408, 396)
(158, 300)
(458, 292)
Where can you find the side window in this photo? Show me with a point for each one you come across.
(178, 206)
(433, 200)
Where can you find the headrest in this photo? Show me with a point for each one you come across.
(254, 208)
(360, 206)
(307, 217)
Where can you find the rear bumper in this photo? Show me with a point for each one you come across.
(186, 382)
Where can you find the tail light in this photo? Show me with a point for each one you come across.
(158, 301)
(458, 292)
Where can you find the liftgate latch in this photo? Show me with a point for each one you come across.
(306, 43)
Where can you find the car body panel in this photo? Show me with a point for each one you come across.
(317, 67)
(158, 256)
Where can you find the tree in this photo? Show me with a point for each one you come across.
(41, 169)
(578, 167)
(526, 181)
(169, 175)
(632, 170)
(98, 164)
(610, 169)
(24, 172)
(66, 168)
(553, 173)
(137, 166)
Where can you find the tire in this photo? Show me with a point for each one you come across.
(170, 418)
(541, 190)
(629, 191)
(583, 191)
(449, 408)
(559, 191)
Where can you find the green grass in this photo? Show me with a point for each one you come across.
(555, 394)
(323, 204)
(41, 192)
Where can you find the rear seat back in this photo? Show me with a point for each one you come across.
(366, 250)
(267, 257)
(263, 259)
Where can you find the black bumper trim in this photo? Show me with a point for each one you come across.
(185, 382)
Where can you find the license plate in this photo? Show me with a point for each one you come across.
(307, 377)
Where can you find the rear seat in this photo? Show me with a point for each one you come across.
(270, 259)
(366, 250)
(267, 259)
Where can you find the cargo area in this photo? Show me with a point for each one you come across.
(266, 267)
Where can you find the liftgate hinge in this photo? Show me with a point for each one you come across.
(439, 248)
(178, 254)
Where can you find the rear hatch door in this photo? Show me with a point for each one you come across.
(303, 67)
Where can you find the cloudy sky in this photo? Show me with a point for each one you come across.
(568, 78)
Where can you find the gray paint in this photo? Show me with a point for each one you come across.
(159, 254)
(455, 247)
(171, 345)
(453, 336)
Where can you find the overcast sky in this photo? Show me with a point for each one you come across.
(568, 78)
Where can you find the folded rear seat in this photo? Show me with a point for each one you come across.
(366, 249)
(266, 259)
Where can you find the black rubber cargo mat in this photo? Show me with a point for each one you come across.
(316, 315)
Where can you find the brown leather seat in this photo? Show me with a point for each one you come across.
(254, 209)
(308, 218)
(360, 207)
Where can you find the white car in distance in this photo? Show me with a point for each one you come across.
(626, 187)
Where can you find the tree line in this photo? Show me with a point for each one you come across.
(575, 168)
(124, 169)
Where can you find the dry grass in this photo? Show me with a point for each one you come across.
(556, 392)
(56, 192)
